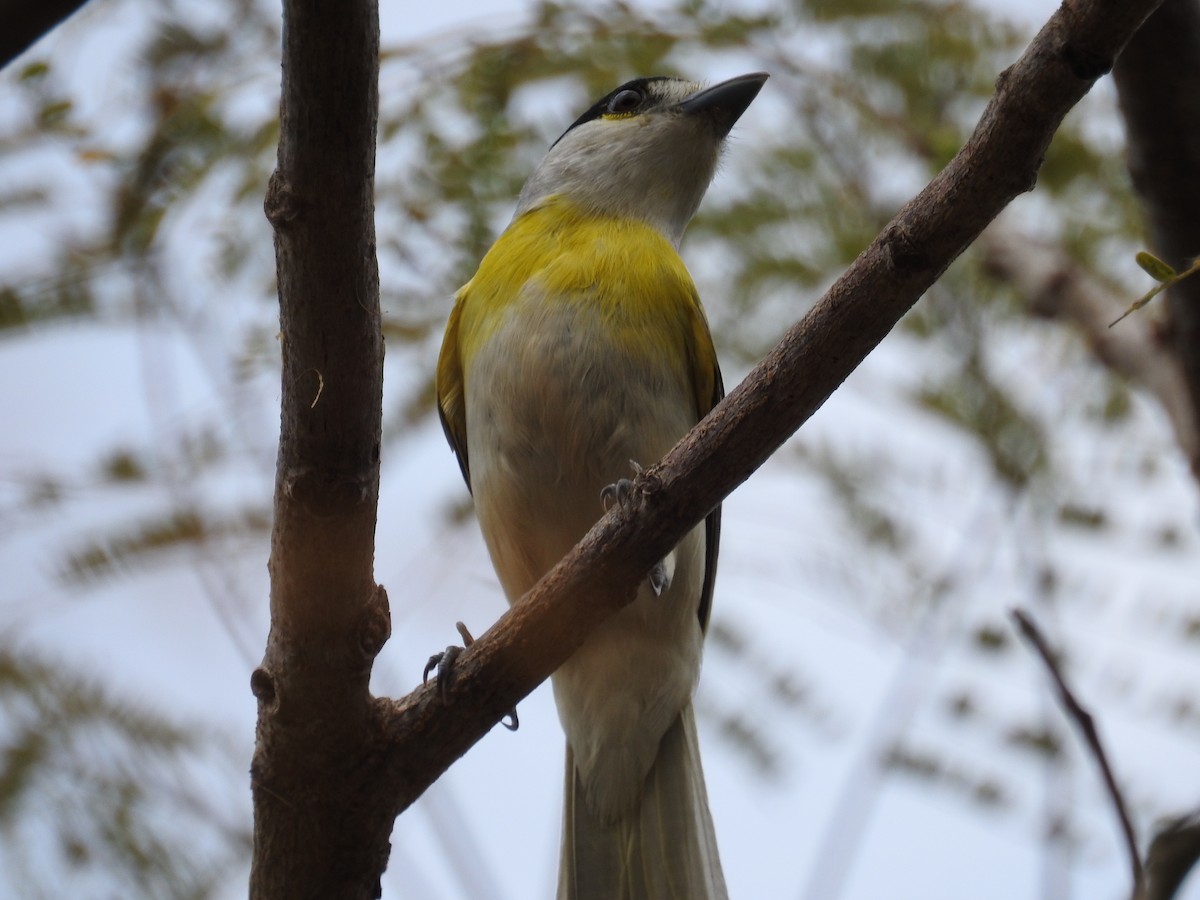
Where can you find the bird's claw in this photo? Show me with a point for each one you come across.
(621, 491)
(617, 493)
(444, 663)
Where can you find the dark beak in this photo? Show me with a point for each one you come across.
(724, 103)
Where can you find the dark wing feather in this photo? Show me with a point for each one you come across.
(460, 451)
(450, 390)
(712, 528)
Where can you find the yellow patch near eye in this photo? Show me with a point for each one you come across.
(614, 116)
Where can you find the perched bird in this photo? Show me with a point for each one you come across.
(578, 346)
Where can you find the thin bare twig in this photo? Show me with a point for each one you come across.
(1087, 727)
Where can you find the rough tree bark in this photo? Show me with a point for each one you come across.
(333, 766)
(318, 829)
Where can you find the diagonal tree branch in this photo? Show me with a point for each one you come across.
(999, 161)
(1158, 84)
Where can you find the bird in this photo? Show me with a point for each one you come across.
(580, 346)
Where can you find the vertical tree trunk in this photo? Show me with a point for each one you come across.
(314, 835)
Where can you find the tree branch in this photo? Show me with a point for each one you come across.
(1172, 855)
(316, 831)
(24, 22)
(597, 577)
(1158, 83)
(1056, 287)
(1087, 727)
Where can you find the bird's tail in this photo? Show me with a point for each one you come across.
(664, 849)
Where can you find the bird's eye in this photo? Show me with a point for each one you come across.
(625, 101)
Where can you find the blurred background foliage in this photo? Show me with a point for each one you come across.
(99, 778)
(153, 215)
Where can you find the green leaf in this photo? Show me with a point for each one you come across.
(1162, 273)
(1155, 267)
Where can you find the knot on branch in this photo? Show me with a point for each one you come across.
(1085, 64)
(281, 205)
(901, 250)
(262, 686)
(375, 626)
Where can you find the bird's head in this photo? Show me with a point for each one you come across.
(646, 150)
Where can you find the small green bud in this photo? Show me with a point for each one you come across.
(1155, 267)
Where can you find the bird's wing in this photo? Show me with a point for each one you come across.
(710, 389)
(451, 398)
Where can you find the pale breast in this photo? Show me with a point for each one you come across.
(558, 402)
(557, 406)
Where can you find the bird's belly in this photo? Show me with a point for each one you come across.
(556, 410)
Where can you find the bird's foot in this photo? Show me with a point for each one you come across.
(444, 663)
(621, 491)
